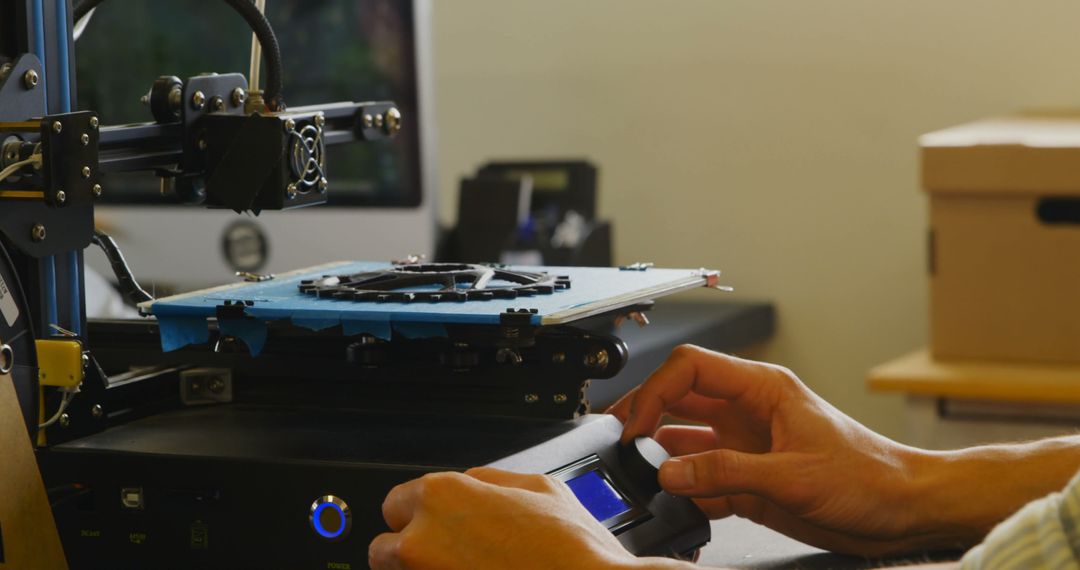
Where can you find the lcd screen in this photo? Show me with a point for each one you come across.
(598, 496)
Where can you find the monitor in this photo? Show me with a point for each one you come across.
(382, 194)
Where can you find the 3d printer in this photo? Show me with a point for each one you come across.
(259, 424)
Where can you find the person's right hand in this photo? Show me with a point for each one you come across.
(778, 454)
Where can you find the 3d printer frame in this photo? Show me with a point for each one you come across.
(213, 141)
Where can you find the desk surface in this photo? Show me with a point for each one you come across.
(920, 374)
(742, 544)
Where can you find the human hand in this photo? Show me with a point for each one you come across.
(776, 453)
(487, 518)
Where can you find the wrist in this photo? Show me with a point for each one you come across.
(959, 496)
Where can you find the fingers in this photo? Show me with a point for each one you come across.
(382, 552)
(695, 370)
(400, 504)
(685, 440)
(726, 472)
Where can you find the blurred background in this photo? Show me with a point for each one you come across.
(775, 140)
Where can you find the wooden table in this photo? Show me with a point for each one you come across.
(958, 403)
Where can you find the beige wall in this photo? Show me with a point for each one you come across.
(772, 139)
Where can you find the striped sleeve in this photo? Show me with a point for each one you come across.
(1043, 534)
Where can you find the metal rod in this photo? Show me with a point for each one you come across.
(256, 53)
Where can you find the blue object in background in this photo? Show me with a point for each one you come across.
(598, 496)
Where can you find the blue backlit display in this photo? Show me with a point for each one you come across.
(598, 496)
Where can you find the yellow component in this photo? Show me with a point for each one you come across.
(22, 194)
(19, 126)
(60, 363)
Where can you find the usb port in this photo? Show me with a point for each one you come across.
(131, 498)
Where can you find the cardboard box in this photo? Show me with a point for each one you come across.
(1004, 249)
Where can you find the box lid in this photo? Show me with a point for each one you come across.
(1032, 152)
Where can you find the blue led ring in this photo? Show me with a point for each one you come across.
(339, 507)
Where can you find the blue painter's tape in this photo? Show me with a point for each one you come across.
(179, 332)
(377, 329)
(316, 324)
(421, 330)
(251, 331)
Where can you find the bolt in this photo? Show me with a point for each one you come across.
(598, 359)
(65, 420)
(560, 398)
(290, 191)
(393, 121)
(558, 357)
(86, 172)
(57, 127)
(368, 121)
(531, 398)
(323, 184)
(61, 196)
(37, 233)
(217, 104)
(30, 79)
(379, 120)
(96, 190)
(239, 96)
(97, 411)
(198, 100)
(320, 120)
(85, 139)
(290, 125)
(94, 122)
(217, 385)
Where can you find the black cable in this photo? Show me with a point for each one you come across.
(128, 285)
(263, 32)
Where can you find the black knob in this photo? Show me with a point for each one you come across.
(641, 460)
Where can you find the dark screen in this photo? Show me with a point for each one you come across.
(332, 50)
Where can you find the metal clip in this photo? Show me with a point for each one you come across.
(638, 266)
(254, 277)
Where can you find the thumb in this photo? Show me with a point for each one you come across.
(725, 472)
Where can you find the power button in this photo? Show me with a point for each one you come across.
(330, 517)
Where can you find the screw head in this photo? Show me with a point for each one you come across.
(57, 127)
(86, 172)
(61, 196)
(217, 385)
(560, 398)
(97, 411)
(37, 233)
(531, 398)
(323, 184)
(379, 120)
(290, 125)
(94, 122)
(393, 121)
(198, 100)
(320, 120)
(290, 191)
(202, 144)
(85, 139)
(368, 121)
(558, 357)
(65, 420)
(217, 104)
(30, 79)
(239, 96)
(96, 190)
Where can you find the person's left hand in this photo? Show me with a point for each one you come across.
(487, 518)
